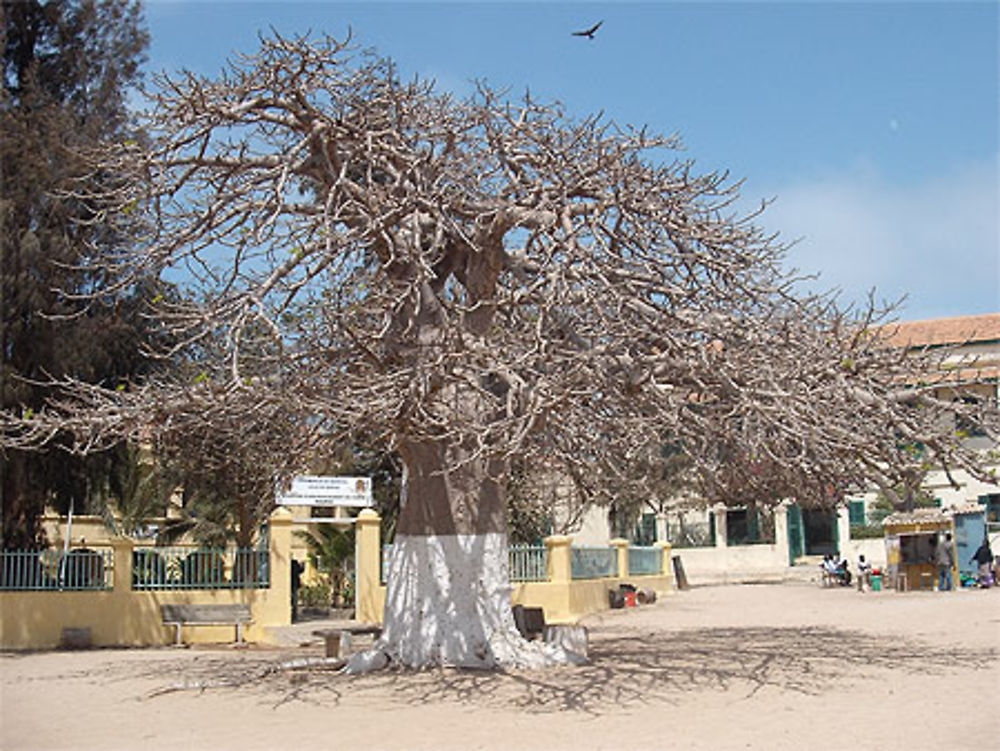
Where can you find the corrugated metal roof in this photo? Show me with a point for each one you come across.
(918, 516)
(931, 515)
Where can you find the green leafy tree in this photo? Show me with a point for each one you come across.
(139, 489)
(67, 68)
(331, 552)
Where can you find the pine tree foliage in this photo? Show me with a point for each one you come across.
(68, 67)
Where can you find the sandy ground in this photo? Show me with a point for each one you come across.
(751, 667)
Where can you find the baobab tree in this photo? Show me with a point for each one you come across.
(468, 283)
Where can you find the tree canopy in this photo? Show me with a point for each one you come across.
(475, 285)
(495, 275)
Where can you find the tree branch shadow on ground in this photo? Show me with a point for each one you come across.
(636, 670)
(624, 671)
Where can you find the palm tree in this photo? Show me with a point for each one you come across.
(331, 552)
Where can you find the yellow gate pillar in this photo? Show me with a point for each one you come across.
(369, 605)
(279, 599)
(666, 565)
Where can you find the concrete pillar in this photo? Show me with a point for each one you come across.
(720, 526)
(621, 545)
(121, 593)
(781, 534)
(367, 567)
(662, 527)
(560, 558)
(843, 530)
(279, 600)
(121, 582)
(666, 567)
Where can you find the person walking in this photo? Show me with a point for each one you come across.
(945, 561)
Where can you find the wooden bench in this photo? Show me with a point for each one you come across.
(339, 640)
(206, 615)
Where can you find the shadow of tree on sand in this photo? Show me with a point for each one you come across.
(624, 670)
(635, 670)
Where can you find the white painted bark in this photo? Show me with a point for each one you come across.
(448, 604)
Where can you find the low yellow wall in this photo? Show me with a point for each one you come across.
(122, 616)
(125, 617)
(563, 599)
(568, 602)
(563, 602)
(35, 620)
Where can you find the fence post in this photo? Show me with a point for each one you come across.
(666, 563)
(621, 545)
(367, 565)
(121, 580)
(560, 563)
(843, 530)
(280, 553)
(120, 628)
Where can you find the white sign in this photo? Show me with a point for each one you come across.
(314, 490)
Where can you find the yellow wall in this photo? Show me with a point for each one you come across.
(127, 617)
(563, 599)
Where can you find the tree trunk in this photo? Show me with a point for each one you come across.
(448, 592)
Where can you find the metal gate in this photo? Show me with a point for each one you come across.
(795, 534)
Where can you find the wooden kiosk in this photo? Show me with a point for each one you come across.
(911, 540)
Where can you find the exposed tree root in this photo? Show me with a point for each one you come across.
(503, 652)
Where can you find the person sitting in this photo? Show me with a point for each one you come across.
(843, 573)
(829, 569)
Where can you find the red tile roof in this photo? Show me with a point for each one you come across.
(941, 331)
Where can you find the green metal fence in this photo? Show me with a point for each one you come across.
(594, 563)
(645, 560)
(201, 568)
(528, 563)
(56, 570)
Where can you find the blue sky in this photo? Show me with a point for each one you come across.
(873, 125)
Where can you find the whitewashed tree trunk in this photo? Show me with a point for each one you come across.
(448, 590)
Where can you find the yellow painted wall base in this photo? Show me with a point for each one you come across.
(35, 620)
(122, 616)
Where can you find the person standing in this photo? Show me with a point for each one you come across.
(984, 557)
(864, 573)
(945, 561)
(297, 569)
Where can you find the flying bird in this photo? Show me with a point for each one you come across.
(589, 33)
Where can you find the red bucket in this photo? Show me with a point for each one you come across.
(630, 600)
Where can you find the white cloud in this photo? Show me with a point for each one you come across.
(936, 241)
